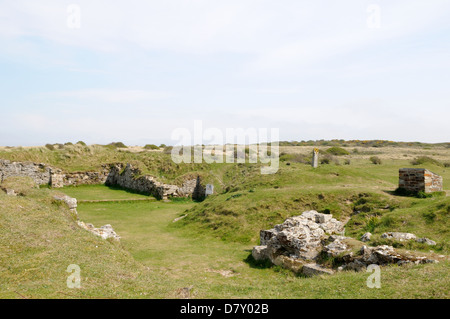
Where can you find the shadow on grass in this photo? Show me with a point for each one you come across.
(267, 264)
(258, 264)
(401, 192)
(130, 191)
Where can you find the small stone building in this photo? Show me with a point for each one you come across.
(419, 179)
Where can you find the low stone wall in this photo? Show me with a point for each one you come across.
(420, 179)
(130, 178)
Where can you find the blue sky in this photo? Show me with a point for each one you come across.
(134, 71)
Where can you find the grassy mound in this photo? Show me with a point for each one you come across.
(39, 240)
(20, 184)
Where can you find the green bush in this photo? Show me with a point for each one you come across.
(337, 151)
(51, 147)
(151, 147)
(81, 143)
(375, 160)
(117, 145)
(422, 160)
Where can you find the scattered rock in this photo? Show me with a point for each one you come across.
(70, 202)
(426, 241)
(399, 236)
(104, 232)
(366, 237)
(11, 192)
(179, 218)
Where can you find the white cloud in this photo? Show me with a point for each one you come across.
(109, 95)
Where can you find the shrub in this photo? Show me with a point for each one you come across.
(81, 143)
(168, 150)
(347, 162)
(151, 147)
(51, 147)
(117, 145)
(375, 160)
(68, 144)
(337, 151)
(422, 160)
(327, 159)
(162, 146)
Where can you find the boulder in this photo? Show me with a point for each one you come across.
(335, 248)
(298, 239)
(426, 241)
(259, 253)
(366, 237)
(104, 232)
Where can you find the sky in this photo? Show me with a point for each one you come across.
(136, 71)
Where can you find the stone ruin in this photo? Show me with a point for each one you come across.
(117, 174)
(104, 232)
(419, 180)
(299, 242)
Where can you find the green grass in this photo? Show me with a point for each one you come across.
(101, 192)
(155, 258)
(186, 257)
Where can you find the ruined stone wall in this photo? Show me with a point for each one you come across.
(130, 178)
(40, 173)
(113, 174)
(420, 179)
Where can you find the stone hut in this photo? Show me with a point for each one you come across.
(419, 179)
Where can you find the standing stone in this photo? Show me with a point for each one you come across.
(209, 189)
(315, 158)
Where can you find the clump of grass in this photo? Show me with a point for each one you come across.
(375, 160)
(327, 159)
(338, 151)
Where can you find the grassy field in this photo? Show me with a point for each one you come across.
(214, 268)
(207, 253)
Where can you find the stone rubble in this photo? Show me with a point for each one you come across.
(426, 241)
(297, 240)
(104, 232)
(399, 236)
(297, 243)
